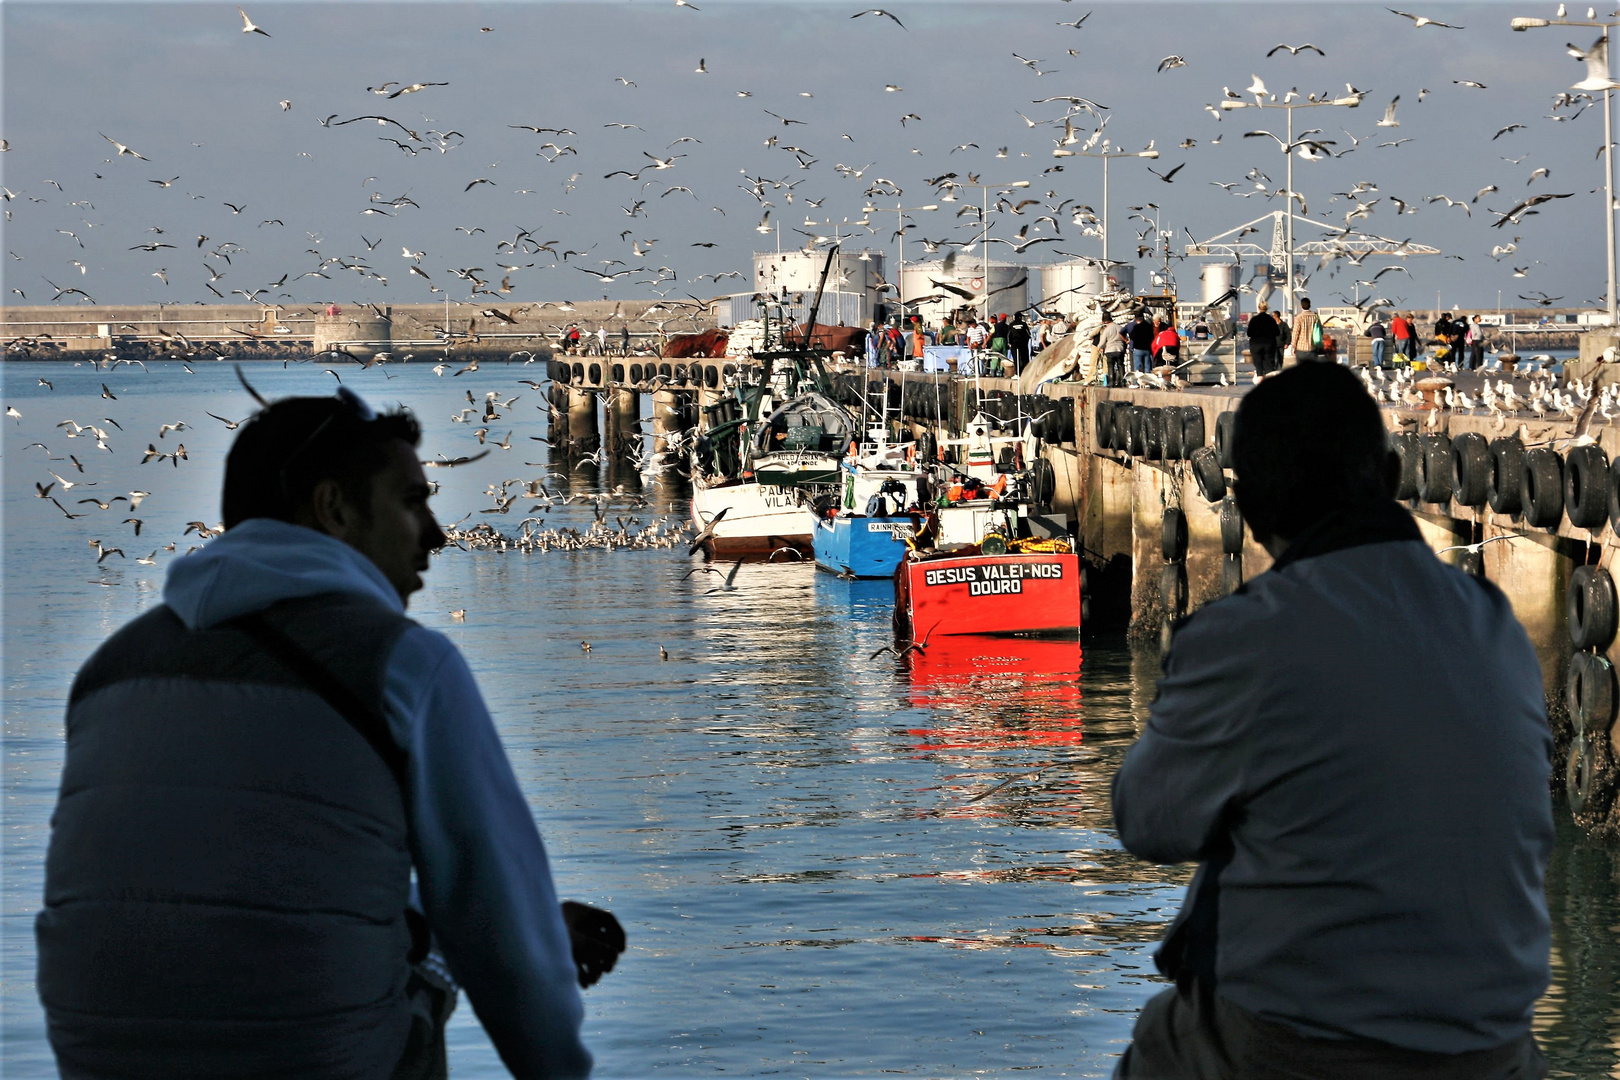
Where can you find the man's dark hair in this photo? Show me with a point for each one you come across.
(1305, 303)
(1307, 442)
(295, 443)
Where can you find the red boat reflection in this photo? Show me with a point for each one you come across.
(998, 692)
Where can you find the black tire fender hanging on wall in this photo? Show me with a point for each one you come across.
(1541, 488)
(1119, 432)
(1470, 469)
(1153, 434)
(1504, 484)
(1590, 609)
(1206, 469)
(1138, 417)
(1614, 495)
(1589, 693)
(1170, 421)
(1192, 428)
(1045, 481)
(1436, 472)
(1410, 451)
(1231, 574)
(1224, 425)
(1231, 527)
(1173, 541)
(1105, 424)
(1586, 487)
(1580, 773)
(1173, 589)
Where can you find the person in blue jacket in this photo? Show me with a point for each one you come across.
(254, 770)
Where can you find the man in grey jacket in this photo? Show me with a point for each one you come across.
(1372, 824)
(254, 769)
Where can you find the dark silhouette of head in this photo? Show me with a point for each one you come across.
(1305, 303)
(293, 444)
(1308, 442)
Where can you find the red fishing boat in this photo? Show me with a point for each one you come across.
(974, 592)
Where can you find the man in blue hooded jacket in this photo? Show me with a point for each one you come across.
(253, 770)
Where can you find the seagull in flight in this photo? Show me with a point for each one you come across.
(880, 11)
(122, 149)
(414, 87)
(1295, 50)
(730, 584)
(248, 26)
(1473, 549)
(1420, 21)
(1597, 67)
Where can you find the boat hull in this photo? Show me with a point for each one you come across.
(988, 594)
(861, 547)
(760, 518)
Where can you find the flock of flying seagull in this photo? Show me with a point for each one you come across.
(74, 487)
(1078, 128)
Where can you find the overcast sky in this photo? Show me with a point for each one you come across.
(226, 118)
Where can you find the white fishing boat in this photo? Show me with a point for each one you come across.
(759, 518)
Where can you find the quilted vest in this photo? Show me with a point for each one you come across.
(229, 867)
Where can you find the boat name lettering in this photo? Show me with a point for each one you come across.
(993, 578)
(896, 529)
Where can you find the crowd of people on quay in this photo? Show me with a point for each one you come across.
(1002, 345)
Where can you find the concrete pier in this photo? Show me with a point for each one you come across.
(668, 423)
(584, 433)
(623, 414)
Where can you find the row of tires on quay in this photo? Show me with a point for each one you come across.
(1534, 485)
(693, 375)
(1541, 489)
(1178, 433)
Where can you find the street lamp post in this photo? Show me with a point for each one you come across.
(1262, 101)
(1606, 84)
(984, 221)
(1106, 153)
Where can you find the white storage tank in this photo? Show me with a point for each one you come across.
(1066, 286)
(799, 272)
(1008, 286)
(1217, 279)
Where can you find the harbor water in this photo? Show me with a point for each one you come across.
(828, 863)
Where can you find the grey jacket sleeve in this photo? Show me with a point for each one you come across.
(1187, 771)
(481, 866)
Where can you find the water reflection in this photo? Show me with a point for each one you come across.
(1578, 1020)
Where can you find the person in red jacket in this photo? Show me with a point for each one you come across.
(1400, 328)
(1166, 342)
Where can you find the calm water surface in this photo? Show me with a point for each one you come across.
(826, 863)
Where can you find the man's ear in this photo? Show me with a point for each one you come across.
(330, 510)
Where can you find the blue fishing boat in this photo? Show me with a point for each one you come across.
(882, 502)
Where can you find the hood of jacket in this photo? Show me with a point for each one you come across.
(261, 562)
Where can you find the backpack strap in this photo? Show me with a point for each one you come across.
(366, 719)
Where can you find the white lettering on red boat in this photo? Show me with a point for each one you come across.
(981, 577)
